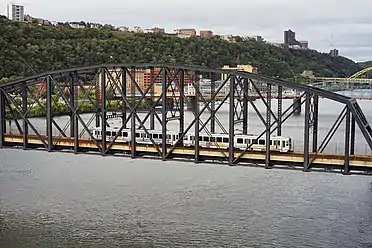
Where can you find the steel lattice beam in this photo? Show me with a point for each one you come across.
(111, 84)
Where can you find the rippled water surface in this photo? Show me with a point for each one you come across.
(66, 200)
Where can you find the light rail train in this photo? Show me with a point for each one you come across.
(221, 141)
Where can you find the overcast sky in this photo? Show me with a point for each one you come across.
(345, 25)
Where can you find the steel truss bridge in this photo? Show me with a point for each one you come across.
(352, 83)
(63, 121)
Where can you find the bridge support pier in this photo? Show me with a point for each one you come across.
(2, 118)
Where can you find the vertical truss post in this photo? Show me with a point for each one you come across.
(75, 119)
(103, 110)
(213, 103)
(2, 118)
(231, 121)
(72, 102)
(182, 101)
(315, 122)
(280, 108)
(124, 96)
(49, 113)
(24, 112)
(152, 97)
(347, 144)
(196, 104)
(133, 120)
(98, 99)
(164, 114)
(352, 145)
(307, 131)
(245, 105)
(268, 125)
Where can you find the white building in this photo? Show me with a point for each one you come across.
(136, 29)
(76, 25)
(18, 13)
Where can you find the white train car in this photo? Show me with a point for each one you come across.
(220, 141)
(242, 142)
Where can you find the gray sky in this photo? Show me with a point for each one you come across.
(346, 24)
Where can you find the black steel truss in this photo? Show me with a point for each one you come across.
(118, 88)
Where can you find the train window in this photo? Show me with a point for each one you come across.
(255, 142)
(213, 139)
(240, 141)
(125, 134)
(261, 142)
(271, 142)
(219, 139)
(225, 140)
(206, 139)
(113, 134)
(160, 136)
(108, 133)
(137, 135)
(155, 136)
(168, 136)
(200, 138)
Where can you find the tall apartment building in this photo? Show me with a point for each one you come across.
(18, 13)
(290, 38)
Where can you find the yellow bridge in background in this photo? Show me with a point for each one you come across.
(352, 79)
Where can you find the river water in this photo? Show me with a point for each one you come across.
(65, 200)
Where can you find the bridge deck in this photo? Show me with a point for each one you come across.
(326, 161)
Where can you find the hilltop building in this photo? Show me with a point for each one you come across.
(334, 53)
(291, 42)
(246, 68)
(18, 13)
(206, 33)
